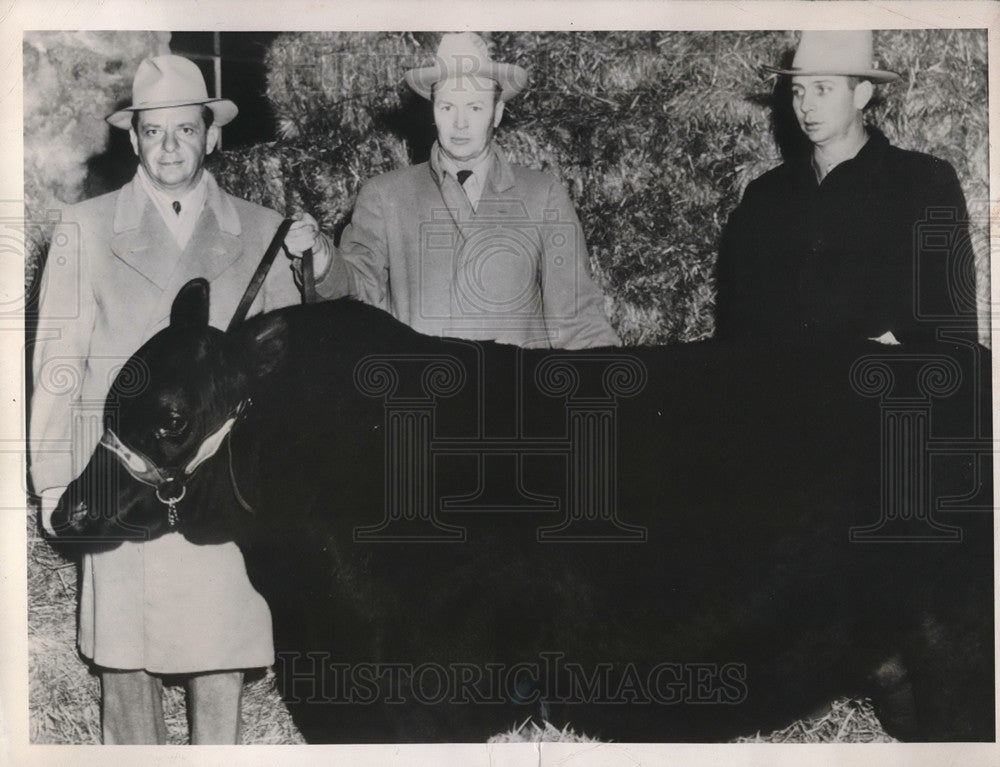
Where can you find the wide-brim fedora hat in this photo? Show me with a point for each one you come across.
(464, 54)
(850, 53)
(170, 81)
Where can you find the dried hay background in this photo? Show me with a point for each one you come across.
(72, 81)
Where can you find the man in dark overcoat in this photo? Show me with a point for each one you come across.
(857, 239)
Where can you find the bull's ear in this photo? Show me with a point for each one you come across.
(190, 308)
(263, 342)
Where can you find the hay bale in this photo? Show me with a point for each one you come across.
(339, 82)
(530, 732)
(847, 721)
(321, 178)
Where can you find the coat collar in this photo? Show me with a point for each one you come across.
(498, 184)
(133, 200)
(500, 177)
(866, 162)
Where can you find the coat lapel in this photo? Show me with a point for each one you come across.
(141, 239)
(494, 203)
(441, 277)
(214, 247)
(455, 200)
(498, 201)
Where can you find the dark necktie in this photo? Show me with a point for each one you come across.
(463, 176)
(177, 207)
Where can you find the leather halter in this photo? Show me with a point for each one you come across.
(166, 480)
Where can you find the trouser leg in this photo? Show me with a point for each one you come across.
(214, 703)
(132, 708)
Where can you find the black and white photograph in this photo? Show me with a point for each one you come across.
(591, 384)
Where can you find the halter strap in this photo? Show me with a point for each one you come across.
(141, 468)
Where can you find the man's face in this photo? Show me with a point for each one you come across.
(171, 144)
(826, 106)
(465, 114)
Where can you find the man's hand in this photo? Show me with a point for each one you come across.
(304, 235)
(50, 499)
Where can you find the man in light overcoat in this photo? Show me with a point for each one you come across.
(115, 265)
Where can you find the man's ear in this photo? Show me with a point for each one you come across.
(263, 343)
(190, 306)
(863, 93)
(211, 139)
(497, 113)
(135, 141)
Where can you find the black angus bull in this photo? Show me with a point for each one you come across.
(713, 548)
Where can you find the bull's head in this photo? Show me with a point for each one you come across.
(172, 409)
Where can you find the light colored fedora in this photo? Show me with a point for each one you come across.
(842, 52)
(170, 81)
(465, 53)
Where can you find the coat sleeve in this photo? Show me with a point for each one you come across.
(282, 286)
(945, 258)
(66, 317)
(359, 267)
(573, 305)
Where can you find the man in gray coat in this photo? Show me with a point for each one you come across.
(468, 245)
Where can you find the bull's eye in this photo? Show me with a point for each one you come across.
(174, 427)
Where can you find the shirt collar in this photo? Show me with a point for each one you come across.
(191, 200)
(867, 158)
(479, 169)
(180, 222)
(501, 174)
